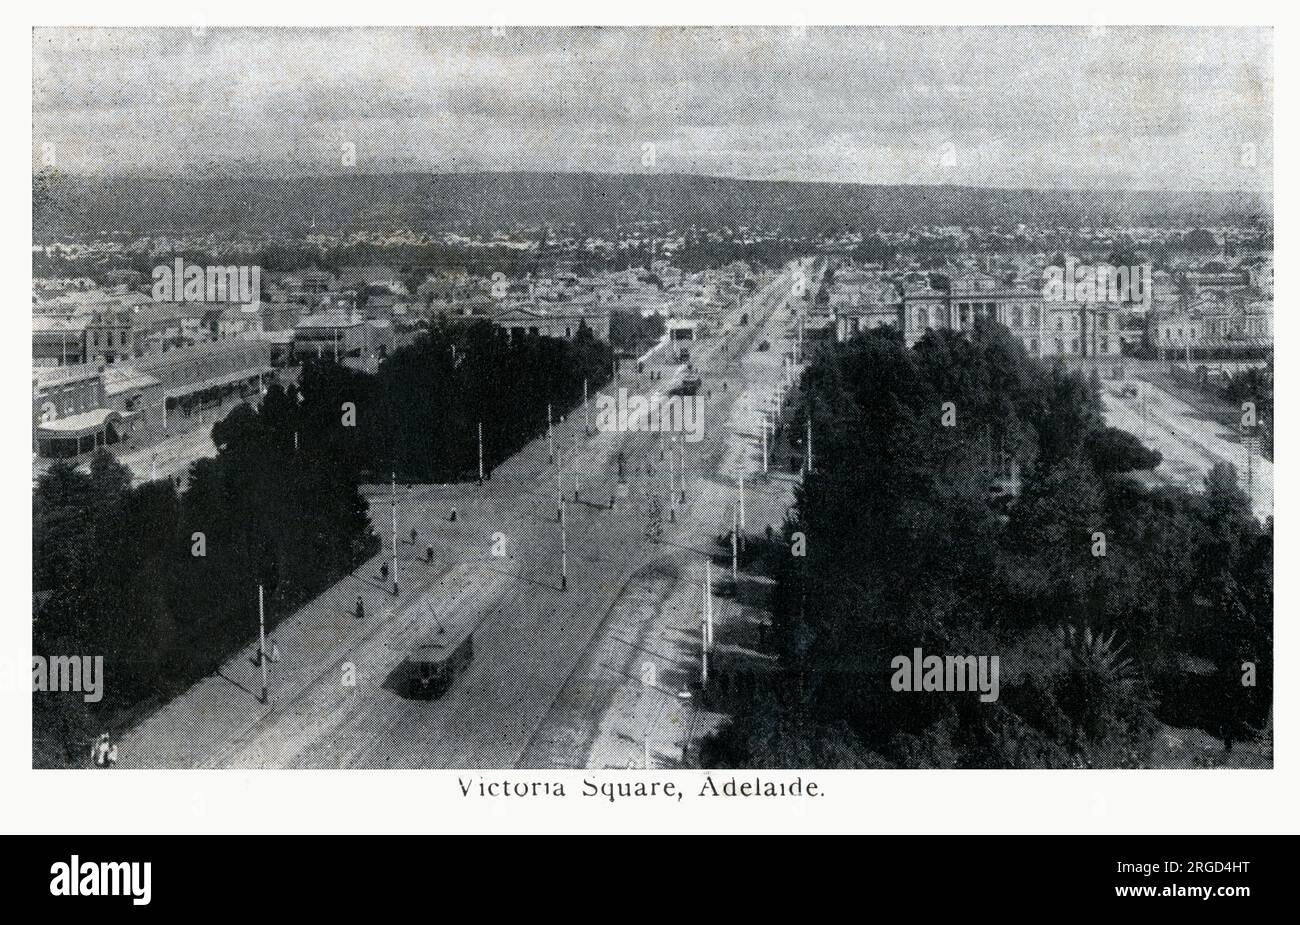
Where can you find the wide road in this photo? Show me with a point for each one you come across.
(332, 702)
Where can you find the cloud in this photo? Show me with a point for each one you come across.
(1020, 106)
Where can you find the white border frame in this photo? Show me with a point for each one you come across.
(920, 802)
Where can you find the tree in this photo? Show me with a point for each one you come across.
(1114, 450)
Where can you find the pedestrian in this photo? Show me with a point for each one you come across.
(428, 553)
(415, 535)
(275, 651)
(100, 751)
(361, 608)
(453, 515)
(383, 570)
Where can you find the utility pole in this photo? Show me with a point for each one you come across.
(740, 484)
(1144, 411)
(480, 452)
(1250, 469)
(672, 491)
(764, 441)
(735, 581)
(393, 498)
(559, 491)
(261, 638)
(810, 451)
(704, 652)
(564, 550)
(586, 408)
(708, 599)
(575, 468)
(550, 436)
(681, 477)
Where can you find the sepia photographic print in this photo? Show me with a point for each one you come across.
(652, 398)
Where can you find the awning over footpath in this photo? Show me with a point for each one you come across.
(1227, 343)
(217, 382)
(77, 426)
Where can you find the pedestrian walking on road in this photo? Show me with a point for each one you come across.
(429, 554)
(383, 570)
(453, 515)
(361, 608)
(100, 751)
(415, 535)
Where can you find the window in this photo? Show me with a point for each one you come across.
(1074, 345)
(1105, 345)
(1060, 346)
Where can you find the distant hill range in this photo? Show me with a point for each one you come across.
(594, 203)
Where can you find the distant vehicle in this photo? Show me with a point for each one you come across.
(688, 386)
(1129, 391)
(744, 318)
(434, 662)
(764, 345)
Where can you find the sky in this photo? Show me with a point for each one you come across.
(1120, 107)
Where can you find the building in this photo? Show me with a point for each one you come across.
(204, 373)
(333, 332)
(69, 416)
(1261, 277)
(1178, 329)
(109, 336)
(557, 321)
(340, 334)
(860, 304)
(161, 326)
(59, 340)
(682, 329)
(1044, 328)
